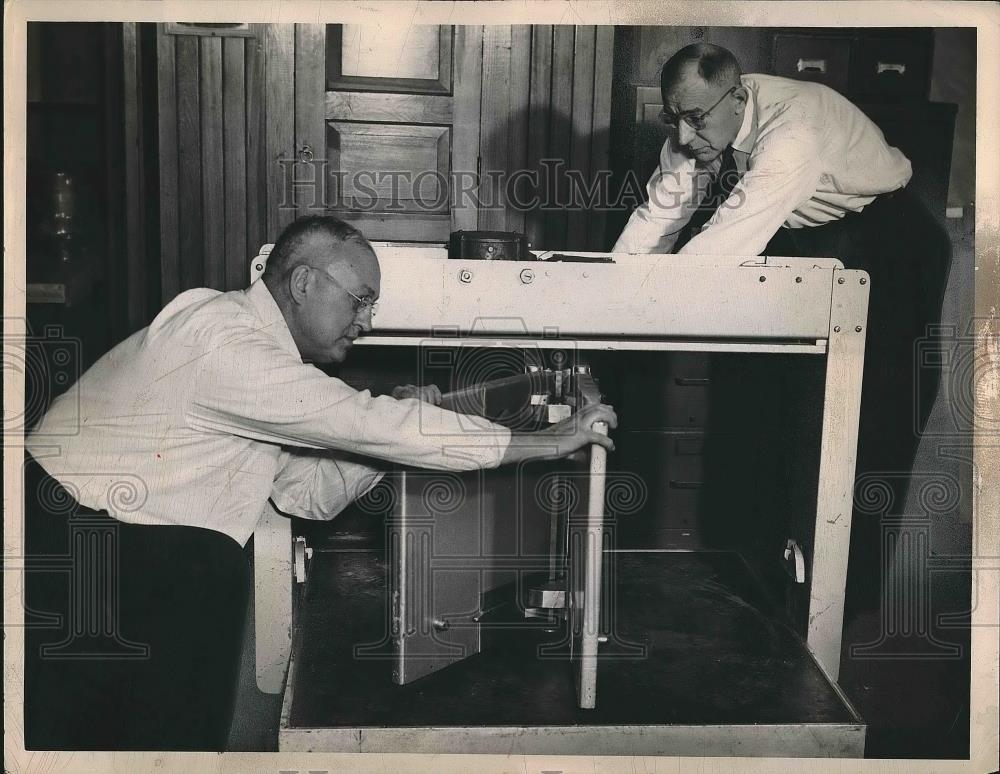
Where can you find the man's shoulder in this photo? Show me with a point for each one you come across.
(203, 312)
(772, 90)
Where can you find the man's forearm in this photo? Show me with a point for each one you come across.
(541, 445)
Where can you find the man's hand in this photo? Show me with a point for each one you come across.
(429, 394)
(563, 438)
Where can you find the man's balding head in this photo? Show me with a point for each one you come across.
(712, 64)
(317, 271)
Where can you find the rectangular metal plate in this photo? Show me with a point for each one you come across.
(433, 609)
(641, 299)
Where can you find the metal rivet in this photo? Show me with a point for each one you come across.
(465, 275)
(841, 281)
(864, 281)
(836, 329)
(857, 329)
(527, 276)
(763, 278)
(798, 279)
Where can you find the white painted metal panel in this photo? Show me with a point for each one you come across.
(650, 300)
(272, 572)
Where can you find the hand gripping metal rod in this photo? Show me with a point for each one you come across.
(592, 579)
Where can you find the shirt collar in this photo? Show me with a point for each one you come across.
(747, 135)
(270, 316)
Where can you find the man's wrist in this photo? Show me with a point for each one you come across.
(539, 445)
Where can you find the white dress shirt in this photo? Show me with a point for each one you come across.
(201, 417)
(808, 156)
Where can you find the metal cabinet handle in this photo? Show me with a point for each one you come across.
(883, 67)
(674, 484)
(306, 153)
(792, 550)
(692, 381)
(811, 65)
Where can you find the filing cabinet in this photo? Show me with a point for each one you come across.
(880, 64)
(886, 72)
(671, 463)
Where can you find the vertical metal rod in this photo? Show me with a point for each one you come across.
(592, 581)
(554, 513)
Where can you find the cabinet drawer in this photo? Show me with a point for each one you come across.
(809, 58)
(892, 67)
(672, 468)
(669, 394)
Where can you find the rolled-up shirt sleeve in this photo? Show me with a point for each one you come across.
(784, 174)
(319, 484)
(674, 192)
(250, 386)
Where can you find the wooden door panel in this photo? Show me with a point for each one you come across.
(391, 128)
(404, 108)
(364, 53)
(404, 166)
(389, 57)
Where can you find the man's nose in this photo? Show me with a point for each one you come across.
(685, 134)
(364, 320)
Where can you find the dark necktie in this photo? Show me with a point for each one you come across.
(718, 191)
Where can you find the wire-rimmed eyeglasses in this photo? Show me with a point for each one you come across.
(694, 119)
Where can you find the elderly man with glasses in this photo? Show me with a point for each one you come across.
(749, 155)
(209, 412)
(757, 164)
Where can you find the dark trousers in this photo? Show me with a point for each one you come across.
(908, 256)
(133, 633)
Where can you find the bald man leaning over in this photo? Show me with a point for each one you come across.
(215, 408)
(757, 164)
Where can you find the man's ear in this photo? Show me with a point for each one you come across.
(741, 96)
(298, 283)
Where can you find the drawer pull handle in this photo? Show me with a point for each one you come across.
(689, 448)
(685, 484)
(692, 381)
(811, 65)
(883, 67)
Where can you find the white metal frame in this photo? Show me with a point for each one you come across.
(733, 304)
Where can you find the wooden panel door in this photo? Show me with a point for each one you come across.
(386, 129)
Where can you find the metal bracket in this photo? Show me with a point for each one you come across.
(301, 556)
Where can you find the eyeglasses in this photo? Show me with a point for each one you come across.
(694, 119)
(361, 305)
